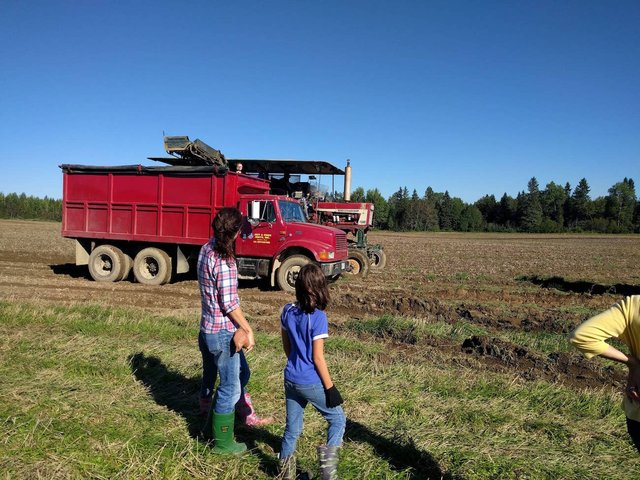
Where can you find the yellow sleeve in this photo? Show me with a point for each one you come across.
(590, 336)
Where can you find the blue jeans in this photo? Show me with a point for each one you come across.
(219, 356)
(210, 371)
(297, 396)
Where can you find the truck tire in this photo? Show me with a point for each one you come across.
(359, 263)
(378, 260)
(106, 263)
(152, 266)
(288, 272)
(128, 264)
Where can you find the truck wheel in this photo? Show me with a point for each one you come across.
(359, 263)
(106, 263)
(288, 272)
(152, 266)
(126, 269)
(378, 260)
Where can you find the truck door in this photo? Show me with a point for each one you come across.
(260, 235)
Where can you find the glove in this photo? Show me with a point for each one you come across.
(333, 397)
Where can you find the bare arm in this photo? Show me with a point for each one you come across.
(633, 378)
(321, 364)
(237, 316)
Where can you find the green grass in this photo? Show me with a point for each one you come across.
(93, 392)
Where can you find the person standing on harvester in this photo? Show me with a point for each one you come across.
(304, 327)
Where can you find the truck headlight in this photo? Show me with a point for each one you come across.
(324, 255)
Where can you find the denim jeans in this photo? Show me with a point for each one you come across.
(220, 357)
(210, 371)
(297, 396)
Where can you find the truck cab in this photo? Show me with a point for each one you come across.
(276, 228)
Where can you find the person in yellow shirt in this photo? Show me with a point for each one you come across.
(621, 321)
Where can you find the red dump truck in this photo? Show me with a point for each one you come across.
(153, 220)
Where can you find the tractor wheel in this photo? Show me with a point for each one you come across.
(152, 266)
(288, 272)
(106, 263)
(359, 263)
(378, 260)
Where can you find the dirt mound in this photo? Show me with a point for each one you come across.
(394, 303)
(567, 368)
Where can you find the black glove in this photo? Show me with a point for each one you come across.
(333, 397)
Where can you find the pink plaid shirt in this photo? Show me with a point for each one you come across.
(218, 282)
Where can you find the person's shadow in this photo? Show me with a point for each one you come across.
(180, 394)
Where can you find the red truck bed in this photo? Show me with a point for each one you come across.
(150, 204)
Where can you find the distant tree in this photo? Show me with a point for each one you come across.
(580, 204)
(414, 214)
(380, 208)
(488, 207)
(457, 207)
(620, 205)
(398, 209)
(553, 199)
(358, 195)
(471, 219)
(506, 214)
(445, 212)
(430, 201)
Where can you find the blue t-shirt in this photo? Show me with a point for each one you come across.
(302, 328)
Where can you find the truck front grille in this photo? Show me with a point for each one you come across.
(341, 243)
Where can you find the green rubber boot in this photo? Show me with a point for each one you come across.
(223, 435)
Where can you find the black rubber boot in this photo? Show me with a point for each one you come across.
(328, 458)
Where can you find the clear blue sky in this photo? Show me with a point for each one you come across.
(472, 97)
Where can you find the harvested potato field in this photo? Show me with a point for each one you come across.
(499, 282)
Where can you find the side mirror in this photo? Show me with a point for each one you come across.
(254, 222)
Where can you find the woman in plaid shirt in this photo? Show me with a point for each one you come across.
(224, 330)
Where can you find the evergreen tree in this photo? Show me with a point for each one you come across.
(580, 203)
(431, 219)
(398, 209)
(488, 207)
(506, 215)
(445, 212)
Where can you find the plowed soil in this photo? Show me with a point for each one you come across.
(547, 283)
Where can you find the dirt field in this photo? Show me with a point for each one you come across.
(501, 282)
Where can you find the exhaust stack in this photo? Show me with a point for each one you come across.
(347, 182)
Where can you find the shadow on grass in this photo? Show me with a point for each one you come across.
(582, 286)
(400, 456)
(179, 394)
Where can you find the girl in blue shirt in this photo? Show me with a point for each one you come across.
(304, 327)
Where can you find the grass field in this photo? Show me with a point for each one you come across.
(453, 363)
(94, 392)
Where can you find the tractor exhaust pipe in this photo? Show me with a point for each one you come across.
(347, 182)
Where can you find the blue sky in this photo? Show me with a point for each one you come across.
(466, 96)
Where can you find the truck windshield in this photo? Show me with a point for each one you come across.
(291, 211)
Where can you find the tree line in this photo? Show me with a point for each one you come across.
(555, 208)
(22, 206)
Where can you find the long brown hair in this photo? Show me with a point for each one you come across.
(226, 225)
(311, 288)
